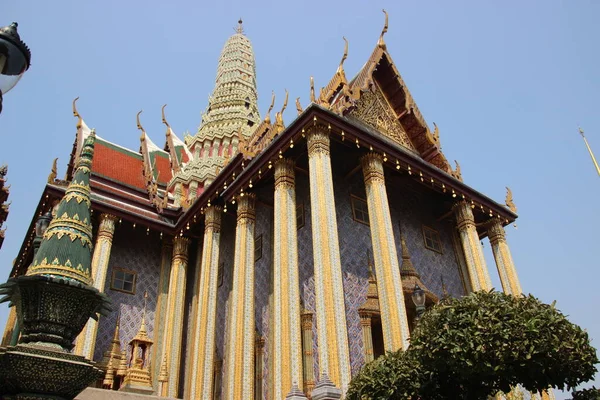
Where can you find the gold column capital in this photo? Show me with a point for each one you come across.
(372, 165)
(464, 215)
(212, 219)
(180, 247)
(246, 211)
(317, 139)
(107, 225)
(285, 176)
(495, 231)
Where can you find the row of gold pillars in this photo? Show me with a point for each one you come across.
(330, 318)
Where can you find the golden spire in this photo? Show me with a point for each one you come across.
(143, 332)
(341, 66)
(590, 151)
(140, 127)
(53, 171)
(380, 42)
(76, 114)
(122, 370)
(312, 90)
(298, 105)
(406, 268)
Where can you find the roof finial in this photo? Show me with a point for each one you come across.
(164, 120)
(341, 67)
(139, 125)
(75, 113)
(381, 43)
(509, 201)
(268, 116)
(298, 106)
(312, 90)
(240, 28)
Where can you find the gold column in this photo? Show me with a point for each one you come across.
(478, 272)
(307, 347)
(334, 355)
(239, 357)
(173, 333)
(259, 351)
(11, 326)
(365, 324)
(86, 341)
(203, 349)
(286, 359)
(504, 261)
(160, 316)
(387, 269)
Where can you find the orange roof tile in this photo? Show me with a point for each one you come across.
(118, 164)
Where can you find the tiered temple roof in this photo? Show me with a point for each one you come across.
(167, 189)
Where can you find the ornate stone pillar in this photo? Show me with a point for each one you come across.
(86, 341)
(504, 262)
(286, 365)
(259, 352)
(387, 269)
(203, 349)
(173, 333)
(478, 272)
(307, 349)
(239, 357)
(334, 355)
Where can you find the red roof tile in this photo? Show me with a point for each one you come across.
(116, 163)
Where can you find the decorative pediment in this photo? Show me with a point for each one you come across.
(374, 110)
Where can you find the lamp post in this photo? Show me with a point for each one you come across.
(418, 297)
(15, 58)
(40, 228)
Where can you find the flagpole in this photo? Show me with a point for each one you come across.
(590, 151)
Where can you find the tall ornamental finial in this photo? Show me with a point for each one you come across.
(164, 119)
(341, 66)
(66, 248)
(240, 28)
(380, 42)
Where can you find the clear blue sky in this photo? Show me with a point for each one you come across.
(507, 83)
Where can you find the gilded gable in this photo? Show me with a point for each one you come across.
(373, 109)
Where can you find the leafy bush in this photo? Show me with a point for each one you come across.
(478, 345)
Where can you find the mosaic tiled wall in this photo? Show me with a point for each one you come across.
(132, 250)
(410, 210)
(355, 241)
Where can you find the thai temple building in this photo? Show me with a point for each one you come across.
(259, 260)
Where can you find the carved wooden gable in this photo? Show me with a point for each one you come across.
(373, 109)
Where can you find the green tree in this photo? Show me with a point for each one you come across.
(478, 345)
(587, 394)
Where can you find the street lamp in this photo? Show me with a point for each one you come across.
(15, 58)
(418, 297)
(40, 228)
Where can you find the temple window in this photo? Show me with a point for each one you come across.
(360, 211)
(431, 238)
(300, 215)
(123, 280)
(258, 248)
